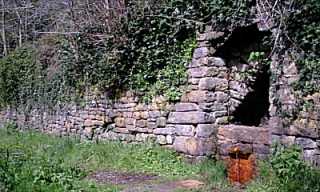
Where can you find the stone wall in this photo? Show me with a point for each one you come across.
(199, 124)
(289, 123)
(302, 130)
(189, 126)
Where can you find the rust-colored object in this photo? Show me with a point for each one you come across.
(241, 166)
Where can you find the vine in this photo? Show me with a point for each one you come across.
(148, 53)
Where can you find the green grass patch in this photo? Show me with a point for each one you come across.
(35, 162)
(31, 161)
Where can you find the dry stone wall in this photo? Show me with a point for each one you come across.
(189, 126)
(289, 123)
(199, 124)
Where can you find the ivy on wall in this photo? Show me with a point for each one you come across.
(19, 77)
(304, 31)
(148, 53)
(156, 44)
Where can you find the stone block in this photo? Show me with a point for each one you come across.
(287, 140)
(121, 130)
(193, 81)
(154, 114)
(189, 118)
(120, 122)
(194, 96)
(142, 123)
(218, 114)
(140, 130)
(237, 95)
(261, 149)
(203, 44)
(222, 84)
(161, 122)
(137, 115)
(245, 134)
(161, 139)
(213, 35)
(92, 123)
(213, 72)
(129, 121)
(184, 130)
(88, 131)
(205, 130)
(216, 61)
(144, 115)
(197, 72)
(183, 107)
(143, 137)
(194, 146)
(201, 52)
(141, 107)
(306, 143)
(304, 128)
(222, 120)
(309, 155)
(169, 139)
(151, 125)
(208, 83)
(198, 62)
(218, 97)
(169, 130)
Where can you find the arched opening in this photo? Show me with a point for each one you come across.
(236, 51)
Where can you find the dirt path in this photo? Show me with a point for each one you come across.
(137, 182)
(166, 186)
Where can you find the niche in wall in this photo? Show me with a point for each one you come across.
(253, 109)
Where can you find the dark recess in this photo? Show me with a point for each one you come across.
(253, 110)
(241, 43)
(235, 51)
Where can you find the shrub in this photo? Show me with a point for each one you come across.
(293, 173)
(19, 77)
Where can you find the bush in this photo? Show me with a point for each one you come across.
(293, 173)
(19, 77)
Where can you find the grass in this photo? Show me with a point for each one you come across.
(32, 161)
(35, 162)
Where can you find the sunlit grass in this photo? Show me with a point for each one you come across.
(43, 152)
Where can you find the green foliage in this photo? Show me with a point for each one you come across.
(150, 60)
(147, 54)
(169, 79)
(19, 77)
(50, 172)
(287, 163)
(256, 56)
(304, 31)
(21, 171)
(37, 162)
(286, 172)
(309, 76)
(293, 173)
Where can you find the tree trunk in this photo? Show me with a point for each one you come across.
(3, 31)
(20, 24)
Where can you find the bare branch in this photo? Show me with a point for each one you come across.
(183, 19)
(56, 32)
(15, 8)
